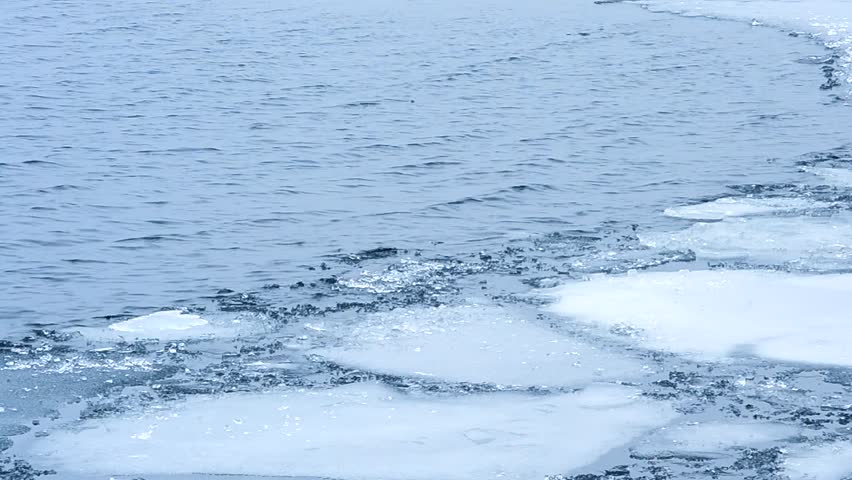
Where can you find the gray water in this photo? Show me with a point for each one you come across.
(305, 167)
(154, 153)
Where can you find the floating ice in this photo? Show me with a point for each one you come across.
(477, 344)
(49, 363)
(827, 462)
(713, 314)
(359, 431)
(404, 274)
(839, 177)
(165, 325)
(742, 207)
(712, 439)
(807, 242)
(160, 322)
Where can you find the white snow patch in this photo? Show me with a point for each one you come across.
(713, 314)
(742, 207)
(357, 432)
(473, 343)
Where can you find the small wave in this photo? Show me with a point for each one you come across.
(152, 239)
(40, 162)
(85, 260)
(182, 150)
(362, 104)
(63, 187)
(372, 254)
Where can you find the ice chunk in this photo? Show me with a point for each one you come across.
(401, 275)
(159, 322)
(826, 462)
(742, 207)
(712, 314)
(479, 344)
(165, 325)
(712, 439)
(359, 431)
(839, 177)
(810, 242)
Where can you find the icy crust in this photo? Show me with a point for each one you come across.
(716, 314)
(712, 439)
(743, 206)
(823, 243)
(826, 462)
(834, 176)
(360, 431)
(476, 344)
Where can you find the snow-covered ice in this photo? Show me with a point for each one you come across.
(360, 431)
(715, 314)
(818, 243)
(479, 344)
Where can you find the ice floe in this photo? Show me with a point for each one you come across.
(742, 207)
(159, 322)
(714, 314)
(360, 431)
(819, 243)
(478, 344)
(164, 325)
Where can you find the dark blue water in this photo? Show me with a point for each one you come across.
(154, 153)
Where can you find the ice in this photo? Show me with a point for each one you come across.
(165, 325)
(826, 462)
(820, 243)
(397, 277)
(359, 431)
(715, 314)
(475, 343)
(839, 177)
(743, 206)
(713, 439)
(159, 322)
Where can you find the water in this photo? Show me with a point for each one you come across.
(151, 156)
(393, 207)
